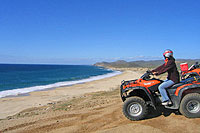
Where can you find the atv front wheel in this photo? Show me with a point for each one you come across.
(135, 108)
(190, 105)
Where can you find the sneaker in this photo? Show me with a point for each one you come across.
(165, 103)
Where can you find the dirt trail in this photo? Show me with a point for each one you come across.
(95, 112)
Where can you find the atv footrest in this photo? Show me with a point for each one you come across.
(157, 93)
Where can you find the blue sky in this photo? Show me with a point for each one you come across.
(88, 31)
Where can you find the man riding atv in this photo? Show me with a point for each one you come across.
(140, 94)
(172, 78)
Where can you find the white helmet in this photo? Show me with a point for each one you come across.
(168, 53)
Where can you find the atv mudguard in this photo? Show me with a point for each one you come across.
(145, 91)
(177, 93)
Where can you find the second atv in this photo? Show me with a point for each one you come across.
(141, 93)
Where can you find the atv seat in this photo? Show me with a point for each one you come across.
(171, 88)
(188, 80)
(176, 85)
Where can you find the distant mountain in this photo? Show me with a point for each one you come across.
(143, 64)
(117, 64)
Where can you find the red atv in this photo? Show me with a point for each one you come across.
(139, 94)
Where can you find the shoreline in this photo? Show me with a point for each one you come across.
(27, 90)
(12, 105)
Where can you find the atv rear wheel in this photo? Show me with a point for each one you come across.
(135, 108)
(190, 105)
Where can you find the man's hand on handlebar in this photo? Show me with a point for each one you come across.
(155, 73)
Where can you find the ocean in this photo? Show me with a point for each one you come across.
(16, 79)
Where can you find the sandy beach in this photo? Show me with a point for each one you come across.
(12, 105)
(90, 107)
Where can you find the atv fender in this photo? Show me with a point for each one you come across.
(190, 88)
(140, 92)
(182, 91)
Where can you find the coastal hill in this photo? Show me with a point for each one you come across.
(142, 64)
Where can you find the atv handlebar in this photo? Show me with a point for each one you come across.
(194, 66)
(146, 75)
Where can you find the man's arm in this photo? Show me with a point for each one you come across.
(158, 68)
(168, 65)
